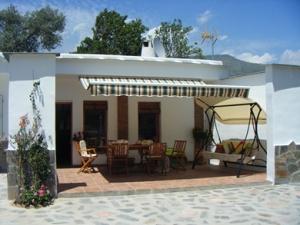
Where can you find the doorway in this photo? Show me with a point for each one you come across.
(95, 123)
(149, 121)
(64, 134)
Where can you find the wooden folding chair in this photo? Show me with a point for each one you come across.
(87, 156)
(117, 152)
(177, 155)
(156, 154)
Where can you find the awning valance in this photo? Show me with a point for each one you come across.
(159, 87)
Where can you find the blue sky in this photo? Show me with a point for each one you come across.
(261, 31)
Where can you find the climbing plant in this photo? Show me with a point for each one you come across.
(32, 157)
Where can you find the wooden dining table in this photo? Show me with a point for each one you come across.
(142, 149)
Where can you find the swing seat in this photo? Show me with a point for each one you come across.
(234, 111)
(234, 148)
(235, 158)
(233, 152)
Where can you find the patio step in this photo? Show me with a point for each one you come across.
(162, 190)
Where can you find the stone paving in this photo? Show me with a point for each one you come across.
(261, 204)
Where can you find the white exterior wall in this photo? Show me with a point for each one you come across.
(69, 89)
(283, 107)
(257, 93)
(256, 82)
(177, 115)
(176, 120)
(277, 91)
(22, 69)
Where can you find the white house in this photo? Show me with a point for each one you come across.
(138, 97)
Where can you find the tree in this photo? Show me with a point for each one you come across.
(31, 32)
(174, 38)
(112, 34)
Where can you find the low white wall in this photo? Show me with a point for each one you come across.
(285, 103)
(177, 115)
(283, 107)
(23, 70)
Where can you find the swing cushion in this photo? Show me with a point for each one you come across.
(219, 148)
(169, 151)
(238, 147)
(228, 147)
(249, 148)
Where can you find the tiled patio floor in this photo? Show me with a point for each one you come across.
(100, 183)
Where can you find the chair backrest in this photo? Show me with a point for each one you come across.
(119, 141)
(145, 142)
(157, 149)
(110, 142)
(82, 148)
(119, 150)
(179, 147)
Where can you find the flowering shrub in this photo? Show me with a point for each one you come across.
(32, 159)
(35, 197)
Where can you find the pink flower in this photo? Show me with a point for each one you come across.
(42, 191)
(23, 121)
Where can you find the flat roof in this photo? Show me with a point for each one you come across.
(139, 58)
(121, 58)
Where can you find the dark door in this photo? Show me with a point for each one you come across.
(95, 123)
(63, 134)
(149, 121)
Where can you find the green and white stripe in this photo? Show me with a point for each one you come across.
(159, 87)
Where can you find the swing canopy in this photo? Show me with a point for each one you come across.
(233, 110)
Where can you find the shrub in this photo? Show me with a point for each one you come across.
(32, 159)
(35, 197)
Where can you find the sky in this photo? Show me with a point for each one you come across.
(261, 31)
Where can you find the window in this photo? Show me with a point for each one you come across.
(95, 123)
(149, 120)
(146, 44)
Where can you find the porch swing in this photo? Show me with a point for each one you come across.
(245, 152)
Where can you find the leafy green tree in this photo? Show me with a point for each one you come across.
(31, 32)
(112, 34)
(174, 38)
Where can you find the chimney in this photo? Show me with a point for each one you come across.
(148, 49)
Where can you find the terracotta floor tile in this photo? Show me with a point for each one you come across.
(72, 182)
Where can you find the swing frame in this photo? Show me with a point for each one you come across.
(211, 114)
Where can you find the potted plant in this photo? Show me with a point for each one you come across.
(199, 135)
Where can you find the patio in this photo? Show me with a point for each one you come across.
(70, 183)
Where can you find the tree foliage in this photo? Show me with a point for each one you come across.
(113, 34)
(174, 38)
(31, 32)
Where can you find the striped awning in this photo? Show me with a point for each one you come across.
(158, 87)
